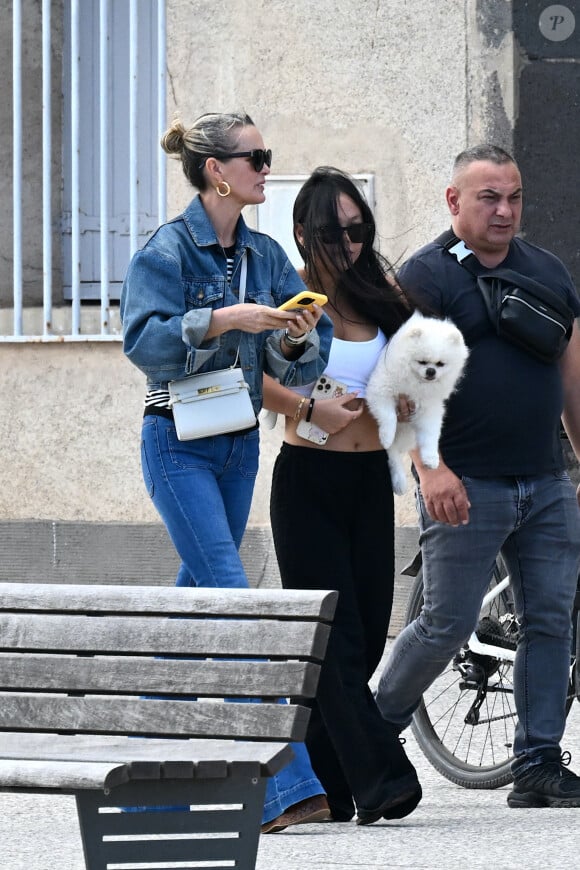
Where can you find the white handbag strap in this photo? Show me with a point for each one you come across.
(243, 277)
(241, 294)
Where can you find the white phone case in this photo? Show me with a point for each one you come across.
(324, 388)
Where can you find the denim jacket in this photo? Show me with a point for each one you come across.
(179, 277)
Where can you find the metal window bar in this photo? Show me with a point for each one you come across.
(46, 170)
(133, 93)
(17, 161)
(75, 177)
(161, 113)
(47, 334)
(104, 162)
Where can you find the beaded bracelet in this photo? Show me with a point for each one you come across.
(299, 407)
(309, 411)
(294, 342)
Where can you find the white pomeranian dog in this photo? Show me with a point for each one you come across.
(423, 360)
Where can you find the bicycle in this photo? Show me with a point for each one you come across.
(465, 722)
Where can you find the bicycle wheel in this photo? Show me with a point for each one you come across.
(465, 723)
(466, 720)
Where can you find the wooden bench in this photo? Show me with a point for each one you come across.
(115, 694)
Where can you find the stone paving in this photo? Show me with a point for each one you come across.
(452, 829)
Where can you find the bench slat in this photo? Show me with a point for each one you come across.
(119, 748)
(59, 775)
(287, 603)
(101, 714)
(162, 636)
(70, 762)
(211, 850)
(128, 674)
(109, 761)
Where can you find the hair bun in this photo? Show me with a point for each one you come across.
(172, 140)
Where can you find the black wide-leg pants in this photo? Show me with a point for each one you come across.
(332, 517)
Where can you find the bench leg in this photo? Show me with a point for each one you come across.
(223, 823)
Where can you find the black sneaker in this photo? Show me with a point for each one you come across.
(549, 784)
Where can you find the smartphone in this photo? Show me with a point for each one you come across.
(304, 299)
(324, 388)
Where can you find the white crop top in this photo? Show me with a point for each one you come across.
(351, 362)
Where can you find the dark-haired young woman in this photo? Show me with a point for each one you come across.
(332, 509)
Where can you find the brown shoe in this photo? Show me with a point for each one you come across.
(274, 826)
(312, 809)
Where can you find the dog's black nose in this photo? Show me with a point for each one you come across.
(430, 373)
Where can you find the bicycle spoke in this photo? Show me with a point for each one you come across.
(447, 714)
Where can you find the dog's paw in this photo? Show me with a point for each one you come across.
(398, 477)
(431, 460)
(387, 433)
(399, 485)
(400, 489)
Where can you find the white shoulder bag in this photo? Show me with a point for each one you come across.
(213, 403)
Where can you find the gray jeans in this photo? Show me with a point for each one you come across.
(535, 521)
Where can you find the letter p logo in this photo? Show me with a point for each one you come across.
(557, 23)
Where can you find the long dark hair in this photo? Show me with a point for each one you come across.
(364, 284)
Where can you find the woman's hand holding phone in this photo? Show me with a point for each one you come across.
(306, 307)
(298, 315)
(331, 400)
(253, 318)
(334, 415)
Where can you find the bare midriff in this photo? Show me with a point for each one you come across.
(358, 437)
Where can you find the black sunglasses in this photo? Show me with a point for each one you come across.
(258, 157)
(357, 233)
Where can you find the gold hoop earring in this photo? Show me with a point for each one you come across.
(220, 193)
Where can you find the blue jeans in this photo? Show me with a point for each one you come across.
(203, 490)
(535, 522)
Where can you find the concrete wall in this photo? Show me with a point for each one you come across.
(336, 83)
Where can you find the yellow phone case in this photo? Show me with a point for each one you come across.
(304, 299)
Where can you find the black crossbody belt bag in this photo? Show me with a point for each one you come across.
(523, 311)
